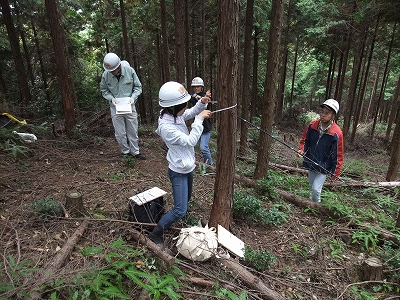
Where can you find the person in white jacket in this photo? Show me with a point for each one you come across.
(173, 99)
(119, 80)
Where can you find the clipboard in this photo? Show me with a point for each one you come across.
(123, 107)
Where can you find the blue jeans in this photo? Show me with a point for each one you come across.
(316, 181)
(203, 142)
(182, 192)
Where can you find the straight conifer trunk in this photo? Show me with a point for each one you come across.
(64, 72)
(228, 43)
(271, 80)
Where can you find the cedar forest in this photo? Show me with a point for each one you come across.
(277, 61)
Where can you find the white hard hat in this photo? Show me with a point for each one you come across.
(125, 63)
(331, 104)
(111, 62)
(172, 93)
(197, 81)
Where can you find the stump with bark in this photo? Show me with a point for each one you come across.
(371, 270)
(74, 204)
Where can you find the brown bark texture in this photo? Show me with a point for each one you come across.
(221, 212)
(16, 52)
(64, 71)
(271, 80)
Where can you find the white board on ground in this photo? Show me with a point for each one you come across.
(230, 242)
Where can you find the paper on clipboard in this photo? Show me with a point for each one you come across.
(148, 195)
(123, 106)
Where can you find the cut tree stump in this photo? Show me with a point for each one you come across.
(74, 204)
(371, 270)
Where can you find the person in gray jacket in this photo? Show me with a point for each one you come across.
(173, 98)
(119, 80)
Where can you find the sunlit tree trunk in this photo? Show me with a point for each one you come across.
(64, 72)
(16, 52)
(228, 44)
(271, 79)
(245, 94)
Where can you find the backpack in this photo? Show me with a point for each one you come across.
(150, 212)
(197, 243)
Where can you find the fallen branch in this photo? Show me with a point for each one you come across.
(306, 203)
(236, 268)
(251, 280)
(168, 259)
(54, 265)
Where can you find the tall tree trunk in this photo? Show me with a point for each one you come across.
(179, 13)
(254, 83)
(188, 54)
(296, 53)
(331, 73)
(141, 104)
(203, 40)
(343, 68)
(42, 69)
(355, 74)
(24, 45)
(383, 85)
(16, 52)
(394, 105)
(246, 75)
(64, 72)
(228, 44)
(357, 113)
(127, 55)
(372, 97)
(395, 152)
(165, 47)
(271, 79)
(281, 90)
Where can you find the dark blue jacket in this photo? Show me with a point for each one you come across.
(326, 150)
(207, 122)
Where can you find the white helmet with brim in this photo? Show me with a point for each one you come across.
(111, 62)
(172, 93)
(331, 104)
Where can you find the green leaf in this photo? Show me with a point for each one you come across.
(91, 251)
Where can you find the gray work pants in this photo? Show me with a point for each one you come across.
(126, 130)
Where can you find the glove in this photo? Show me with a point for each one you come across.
(131, 101)
(114, 101)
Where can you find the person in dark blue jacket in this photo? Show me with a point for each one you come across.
(322, 147)
(198, 89)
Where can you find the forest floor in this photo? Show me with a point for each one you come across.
(94, 167)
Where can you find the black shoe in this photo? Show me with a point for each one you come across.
(126, 155)
(140, 156)
(156, 236)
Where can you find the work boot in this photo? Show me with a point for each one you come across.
(156, 236)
